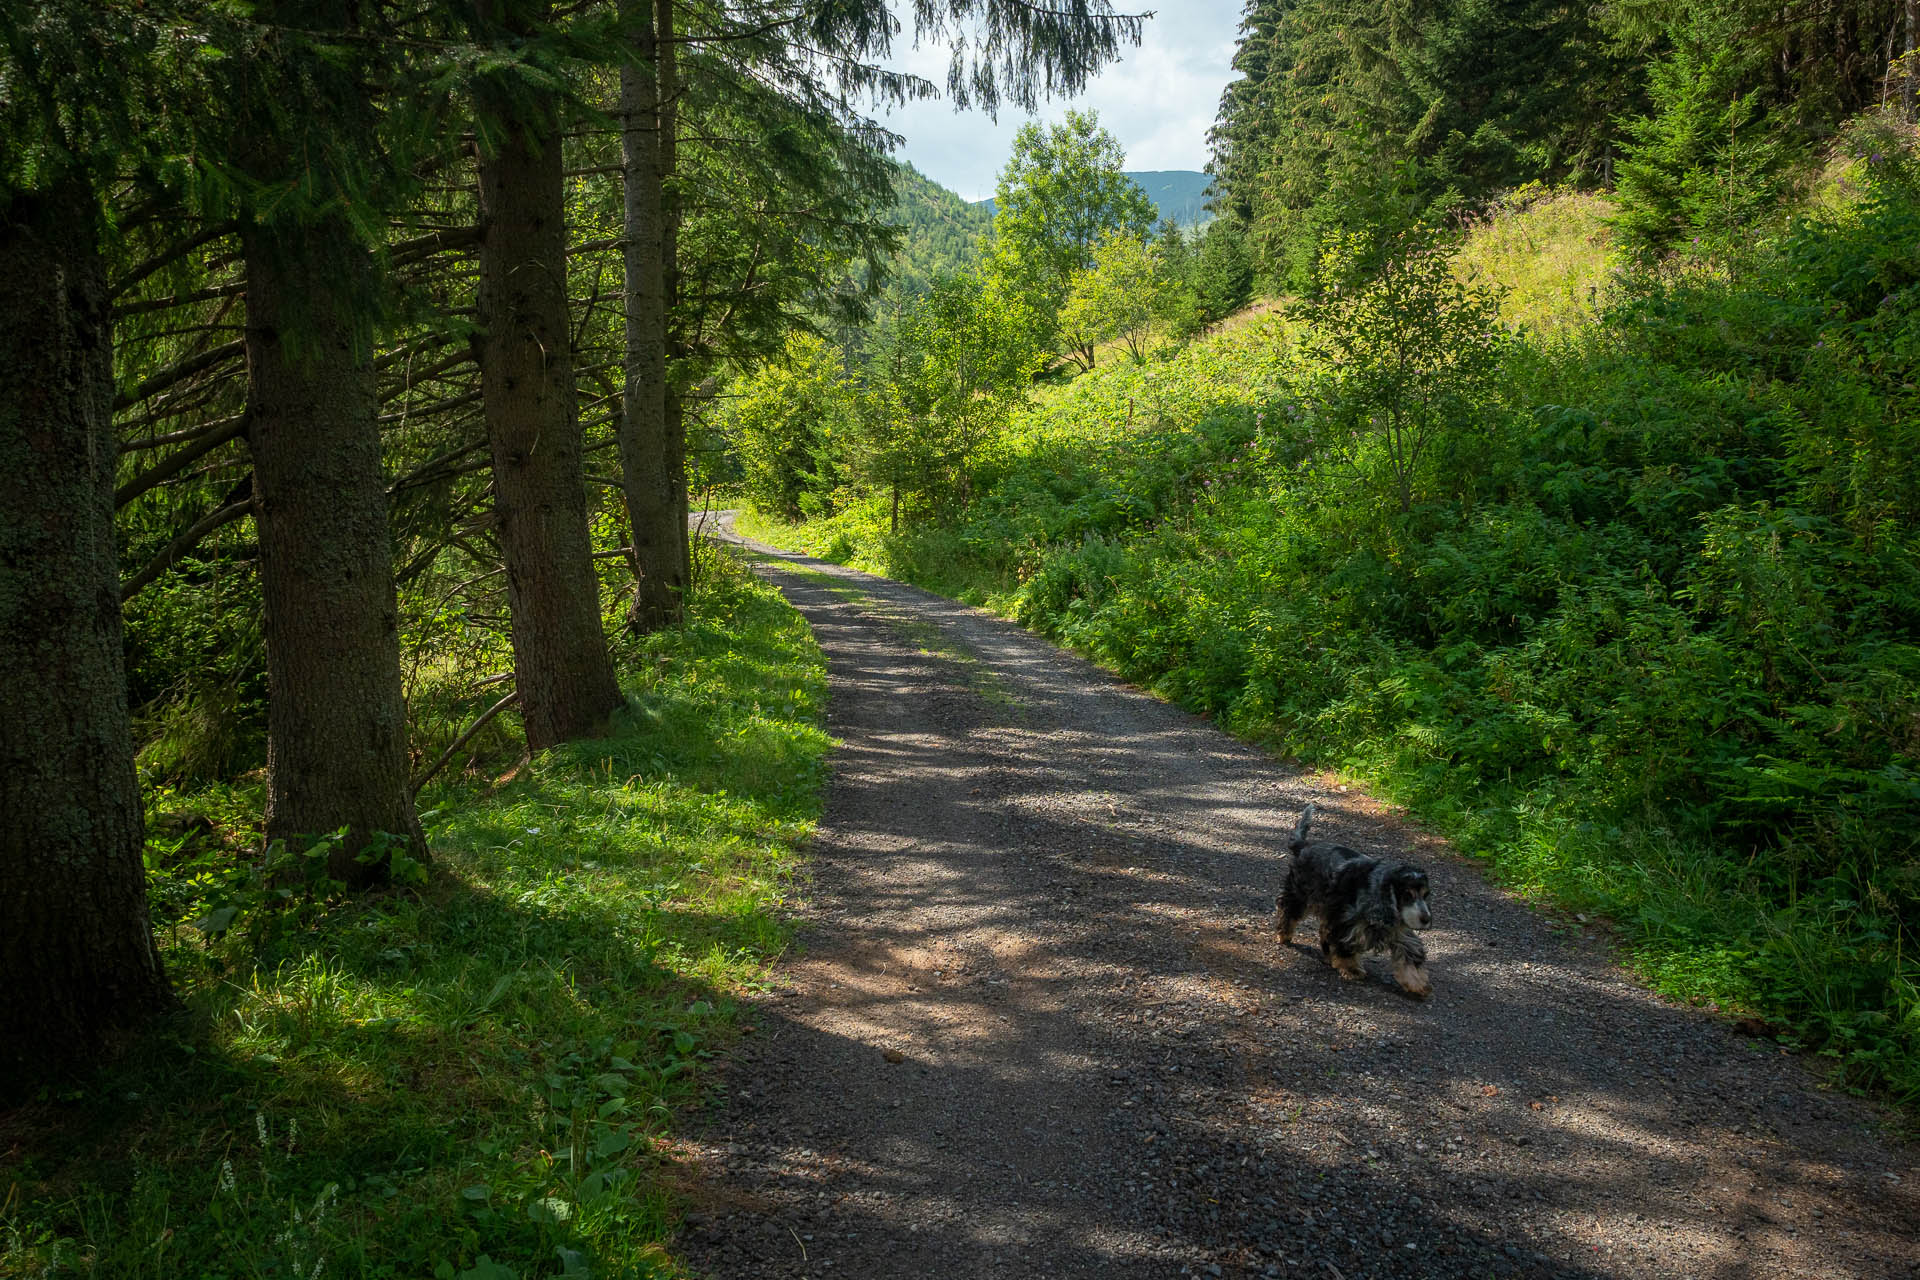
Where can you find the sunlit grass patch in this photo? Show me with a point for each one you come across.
(1548, 251)
(930, 555)
(469, 1080)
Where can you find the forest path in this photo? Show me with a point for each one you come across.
(1040, 1026)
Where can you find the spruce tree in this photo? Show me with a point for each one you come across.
(1222, 270)
(651, 430)
(563, 673)
(808, 64)
(76, 944)
(336, 719)
(1703, 166)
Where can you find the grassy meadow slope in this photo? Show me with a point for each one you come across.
(1650, 646)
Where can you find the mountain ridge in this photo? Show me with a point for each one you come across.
(1180, 194)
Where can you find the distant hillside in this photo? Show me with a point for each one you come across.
(942, 232)
(1180, 194)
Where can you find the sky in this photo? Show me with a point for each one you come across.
(1158, 100)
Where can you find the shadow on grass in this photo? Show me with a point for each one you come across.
(475, 1076)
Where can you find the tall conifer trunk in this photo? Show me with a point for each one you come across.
(336, 719)
(670, 258)
(76, 945)
(563, 673)
(654, 506)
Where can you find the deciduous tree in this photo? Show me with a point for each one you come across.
(1061, 193)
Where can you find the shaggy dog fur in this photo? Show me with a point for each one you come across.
(1363, 903)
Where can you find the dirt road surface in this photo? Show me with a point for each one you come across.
(1039, 1025)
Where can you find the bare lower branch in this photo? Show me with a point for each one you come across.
(181, 545)
(461, 741)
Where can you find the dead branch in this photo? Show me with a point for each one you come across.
(461, 741)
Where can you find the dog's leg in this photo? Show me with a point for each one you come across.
(1410, 967)
(1412, 978)
(1337, 943)
(1287, 912)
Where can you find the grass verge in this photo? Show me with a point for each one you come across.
(470, 1081)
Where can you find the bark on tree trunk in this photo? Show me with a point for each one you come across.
(563, 673)
(669, 64)
(336, 719)
(76, 944)
(645, 457)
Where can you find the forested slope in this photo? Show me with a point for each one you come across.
(1178, 195)
(940, 233)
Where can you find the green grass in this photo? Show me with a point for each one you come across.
(929, 556)
(1547, 250)
(472, 1079)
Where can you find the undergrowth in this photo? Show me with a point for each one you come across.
(1647, 640)
(471, 1079)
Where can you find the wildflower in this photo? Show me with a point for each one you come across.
(533, 831)
(226, 1175)
(260, 1128)
(293, 1134)
(323, 1202)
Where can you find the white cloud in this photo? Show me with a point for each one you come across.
(1158, 100)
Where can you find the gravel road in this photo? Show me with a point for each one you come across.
(1039, 1025)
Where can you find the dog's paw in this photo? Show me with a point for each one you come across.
(1414, 981)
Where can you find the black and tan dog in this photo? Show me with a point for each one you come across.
(1364, 904)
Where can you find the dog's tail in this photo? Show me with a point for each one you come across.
(1299, 840)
